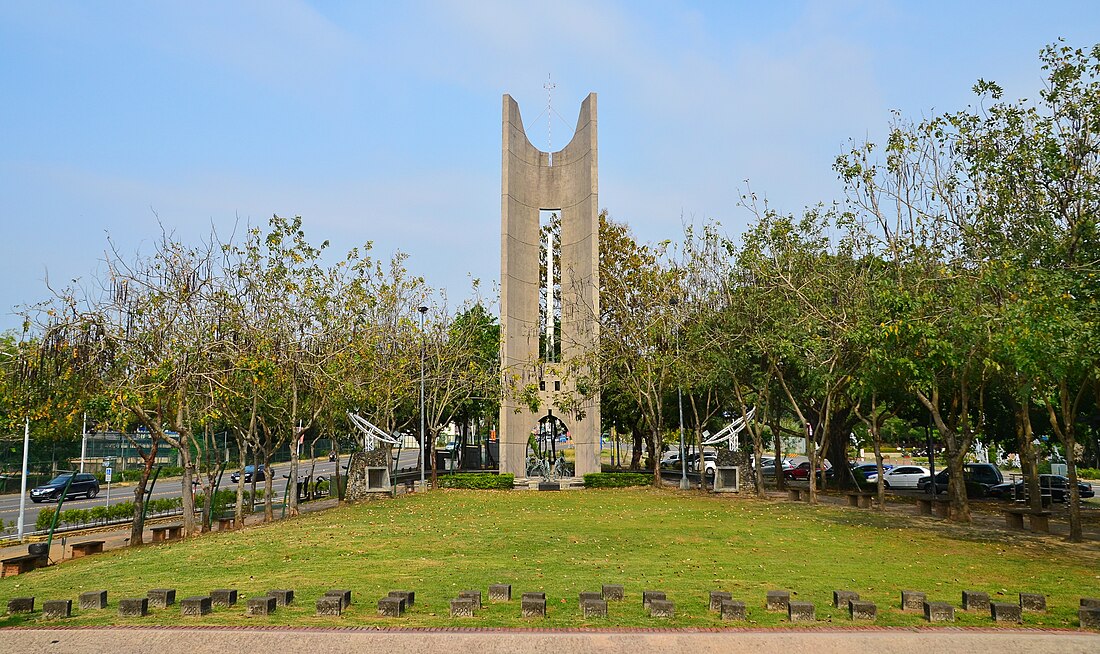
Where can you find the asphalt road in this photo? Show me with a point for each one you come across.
(166, 487)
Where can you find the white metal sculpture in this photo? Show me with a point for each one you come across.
(371, 434)
(731, 433)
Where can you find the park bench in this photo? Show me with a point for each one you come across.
(929, 506)
(798, 493)
(87, 547)
(225, 524)
(1038, 521)
(17, 565)
(167, 532)
(860, 499)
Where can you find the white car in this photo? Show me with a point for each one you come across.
(902, 477)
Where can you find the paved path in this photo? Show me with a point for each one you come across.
(371, 641)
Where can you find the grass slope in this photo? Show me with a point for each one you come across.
(563, 543)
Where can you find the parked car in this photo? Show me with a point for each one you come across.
(978, 477)
(869, 471)
(1056, 486)
(903, 477)
(710, 462)
(260, 473)
(83, 484)
(767, 465)
(802, 471)
(671, 459)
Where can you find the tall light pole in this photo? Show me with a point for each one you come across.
(423, 432)
(23, 482)
(83, 440)
(684, 483)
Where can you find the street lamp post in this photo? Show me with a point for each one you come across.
(423, 431)
(684, 483)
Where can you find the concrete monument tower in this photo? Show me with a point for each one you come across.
(534, 182)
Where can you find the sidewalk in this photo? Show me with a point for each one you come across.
(373, 641)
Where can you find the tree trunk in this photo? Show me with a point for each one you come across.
(636, 453)
(654, 460)
(188, 498)
(238, 511)
(780, 479)
(269, 485)
(1030, 471)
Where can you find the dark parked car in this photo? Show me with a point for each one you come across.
(978, 477)
(1056, 486)
(260, 474)
(83, 484)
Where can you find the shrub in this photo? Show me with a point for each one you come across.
(617, 479)
(479, 481)
(1088, 473)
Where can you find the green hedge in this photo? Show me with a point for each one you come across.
(617, 479)
(1088, 473)
(120, 511)
(479, 481)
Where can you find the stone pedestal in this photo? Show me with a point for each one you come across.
(862, 610)
(162, 598)
(134, 607)
(53, 609)
(331, 605)
(1005, 612)
(500, 592)
(1088, 617)
(777, 600)
(801, 612)
(344, 595)
(1090, 602)
(261, 605)
(716, 599)
(223, 597)
(975, 600)
(463, 607)
(613, 592)
(594, 608)
(661, 608)
(1033, 602)
(93, 599)
(391, 607)
(912, 600)
(733, 610)
(282, 597)
(533, 607)
(590, 596)
(842, 597)
(195, 606)
(939, 612)
(21, 605)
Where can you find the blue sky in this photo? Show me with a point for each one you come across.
(381, 121)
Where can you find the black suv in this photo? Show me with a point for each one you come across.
(978, 477)
(83, 484)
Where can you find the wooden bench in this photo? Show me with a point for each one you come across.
(17, 565)
(87, 547)
(1038, 521)
(929, 506)
(860, 499)
(167, 532)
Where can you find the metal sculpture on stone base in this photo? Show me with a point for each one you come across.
(369, 469)
(730, 459)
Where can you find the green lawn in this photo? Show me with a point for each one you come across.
(563, 543)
